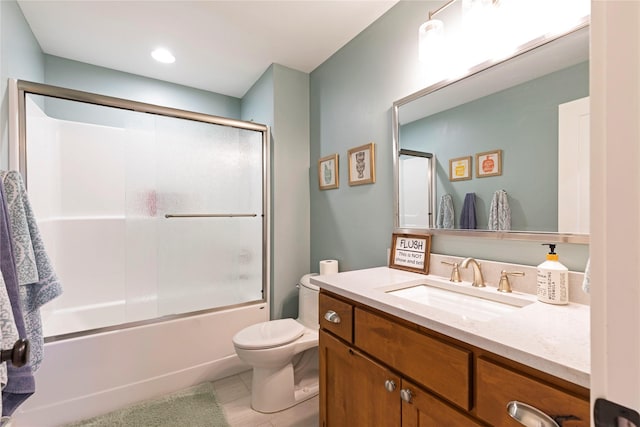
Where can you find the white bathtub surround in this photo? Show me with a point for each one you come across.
(550, 338)
(116, 369)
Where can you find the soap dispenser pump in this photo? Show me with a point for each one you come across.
(553, 279)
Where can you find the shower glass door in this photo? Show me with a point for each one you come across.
(144, 215)
(209, 210)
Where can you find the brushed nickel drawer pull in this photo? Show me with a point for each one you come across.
(406, 395)
(332, 316)
(529, 416)
(390, 385)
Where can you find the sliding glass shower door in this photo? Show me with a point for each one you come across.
(209, 209)
(144, 215)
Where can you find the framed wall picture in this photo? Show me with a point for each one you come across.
(489, 163)
(362, 165)
(410, 252)
(328, 176)
(460, 168)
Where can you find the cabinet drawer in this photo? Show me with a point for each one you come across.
(342, 326)
(438, 366)
(497, 386)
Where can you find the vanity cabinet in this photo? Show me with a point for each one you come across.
(354, 387)
(376, 369)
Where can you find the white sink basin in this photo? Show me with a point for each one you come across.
(462, 299)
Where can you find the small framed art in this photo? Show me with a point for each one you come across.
(460, 168)
(362, 165)
(328, 177)
(410, 252)
(489, 163)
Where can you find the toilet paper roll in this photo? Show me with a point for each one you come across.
(328, 266)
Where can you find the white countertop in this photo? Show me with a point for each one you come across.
(551, 338)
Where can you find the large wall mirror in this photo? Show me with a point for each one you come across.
(528, 117)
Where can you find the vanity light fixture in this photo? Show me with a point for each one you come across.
(431, 36)
(431, 40)
(163, 55)
(432, 43)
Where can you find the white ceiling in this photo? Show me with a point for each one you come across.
(220, 46)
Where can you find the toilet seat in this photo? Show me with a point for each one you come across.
(269, 334)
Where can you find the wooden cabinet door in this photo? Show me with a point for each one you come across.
(352, 388)
(426, 410)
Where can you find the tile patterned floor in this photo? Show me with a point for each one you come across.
(234, 395)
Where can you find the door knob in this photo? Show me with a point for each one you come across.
(390, 385)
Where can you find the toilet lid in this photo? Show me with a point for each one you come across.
(306, 282)
(268, 334)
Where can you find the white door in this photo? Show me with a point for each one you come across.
(573, 166)
(615, 202)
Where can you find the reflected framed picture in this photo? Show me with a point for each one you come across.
(460, 168)
(362, 165)
(328, 177)
(489, 163)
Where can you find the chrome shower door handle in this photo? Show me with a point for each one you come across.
(529, 416)
(332, 316)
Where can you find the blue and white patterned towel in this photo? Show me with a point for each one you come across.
(8, 328)
(446, 214)
(20, 381)
(499, 212)
(38, 282)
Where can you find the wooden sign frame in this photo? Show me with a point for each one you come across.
(410, 252)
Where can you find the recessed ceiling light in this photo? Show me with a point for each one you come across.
(163, 55)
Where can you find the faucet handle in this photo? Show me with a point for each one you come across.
(504, 285)
(455, 272)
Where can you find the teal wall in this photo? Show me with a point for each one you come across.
(20, 58)
(522, 121)
(290, 197)
(351, 98)
(280, 99)
(90, 78)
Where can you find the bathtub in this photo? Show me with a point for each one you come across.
(94, 374)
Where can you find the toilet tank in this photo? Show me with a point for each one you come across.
(308, 302)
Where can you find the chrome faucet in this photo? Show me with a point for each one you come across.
(478, 280)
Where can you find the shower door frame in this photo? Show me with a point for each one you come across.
(24, 88)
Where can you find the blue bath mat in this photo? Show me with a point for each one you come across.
(194, 407)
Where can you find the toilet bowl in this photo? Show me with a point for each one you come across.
(283, 354)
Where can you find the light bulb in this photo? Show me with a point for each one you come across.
(163, 55)
(430, 40)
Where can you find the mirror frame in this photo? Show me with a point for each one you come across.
(551, 237)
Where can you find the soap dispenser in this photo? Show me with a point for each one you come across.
(553, 279)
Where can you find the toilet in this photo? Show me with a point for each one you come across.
(283, 354)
